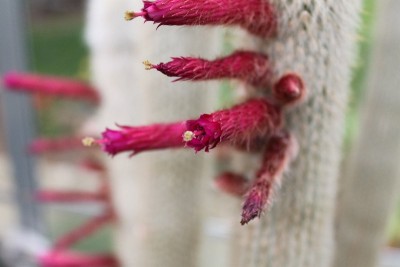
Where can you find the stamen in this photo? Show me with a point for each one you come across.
(88, 141)
(130, 15)
(188, 136)
(147, 65)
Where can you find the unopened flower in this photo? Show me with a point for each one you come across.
(60, 144)
(250, 67)
(289, 89)
(232, 183)
(256, 16)
(51, 86)
(279, 151)
(239, 124)
(141, 138)
(74, 259)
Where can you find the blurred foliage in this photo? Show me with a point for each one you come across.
(360, 71)
(57, 49)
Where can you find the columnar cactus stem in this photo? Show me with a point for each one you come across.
(315, 40)
(256, 16)
(50, 86)
(250, 67)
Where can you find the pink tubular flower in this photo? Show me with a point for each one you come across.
(68, 196)
(51, 86)
(231, 183)
(60, 144)
(239, 124)
(83, 231)
(256, 16)
(250, 67)
(289, 89)
(279, 150)
(140, 138)
(74, 259)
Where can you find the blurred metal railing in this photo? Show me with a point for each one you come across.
(18, 113)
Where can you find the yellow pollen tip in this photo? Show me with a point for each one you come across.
(129, 15)
(147, 65)
(188, 136)
(88, 141)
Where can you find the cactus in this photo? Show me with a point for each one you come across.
(307, 39)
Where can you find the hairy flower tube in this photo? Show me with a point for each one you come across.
(74, 259)
(250, 67)
(256, 16)
(280, 149)
(239, 124)
(141, 138)
(51, 86)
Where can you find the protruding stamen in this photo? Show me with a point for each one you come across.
(130, 15)
(188, 136)
(147, 65)
(88, 141)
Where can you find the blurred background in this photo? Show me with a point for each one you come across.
(54, 46)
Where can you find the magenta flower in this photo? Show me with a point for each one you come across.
(239, 124)
(50, 86)
(74, 259)
(276, 157)
(68, 196)
(256, 16)
(84, 230)
(140, 138)
(232, 183)
(289, 89)
(60, 144)
(249, 67)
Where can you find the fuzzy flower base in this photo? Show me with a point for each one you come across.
(237, 125)
(250, 67)
(256, 16)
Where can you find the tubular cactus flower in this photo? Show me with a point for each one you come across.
(68, 196)
(83, 231)
(256, 16)
(51, 86)
(46, 145)
(250, 67)
(239, 124)
(232, 183)
(289, 89)
(280, 149)
(73, 259)
(141, 138)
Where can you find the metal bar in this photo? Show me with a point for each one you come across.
(18, 112)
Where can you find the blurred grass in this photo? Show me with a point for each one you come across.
(57, 48)
(359, 72)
